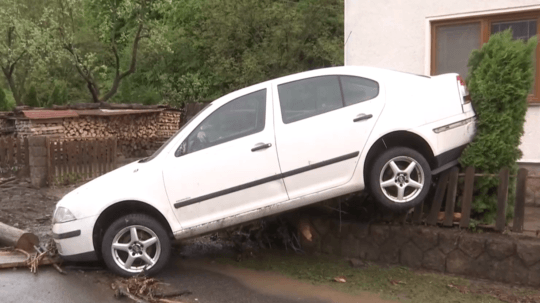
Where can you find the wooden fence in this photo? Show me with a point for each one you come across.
(74, 160)
(448, 183)
(13, 156)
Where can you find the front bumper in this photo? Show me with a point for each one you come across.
(74, 239)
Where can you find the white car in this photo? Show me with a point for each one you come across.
(266, 149)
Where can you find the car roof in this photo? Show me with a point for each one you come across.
(366, 71)
(350, 69)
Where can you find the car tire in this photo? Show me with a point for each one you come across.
(400, 179)
(136, 244)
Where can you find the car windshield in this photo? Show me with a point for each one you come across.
(157, 152)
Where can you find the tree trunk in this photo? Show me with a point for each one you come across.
(17, 238)
(11, 83)
(95, 94)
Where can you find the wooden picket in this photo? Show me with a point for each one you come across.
(13, 156)
(448, 182)
(76, 160)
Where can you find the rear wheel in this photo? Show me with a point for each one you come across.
(400, 178)
(134, 244)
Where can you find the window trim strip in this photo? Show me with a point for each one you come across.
(293, 172)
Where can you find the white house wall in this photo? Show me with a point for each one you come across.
(395, 34)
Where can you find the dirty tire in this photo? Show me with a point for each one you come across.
(395, 183)
(136, 244)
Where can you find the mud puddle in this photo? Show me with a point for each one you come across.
(274, 284)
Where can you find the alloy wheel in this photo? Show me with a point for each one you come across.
(136, 248)
(401, 179)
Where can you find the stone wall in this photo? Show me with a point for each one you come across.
(37, 149)
(532, 197)
(485, 255)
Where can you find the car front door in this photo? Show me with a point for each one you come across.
(322, 124)
(228, 164)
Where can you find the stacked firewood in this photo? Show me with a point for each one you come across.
(135, 133)
(26, 128)
(3, 123)
(126, 127)
(38, 129)
(169, 122)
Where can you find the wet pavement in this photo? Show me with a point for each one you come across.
(191, 268)
(49, 286)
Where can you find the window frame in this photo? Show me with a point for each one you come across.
(344, 105)
(485, 32)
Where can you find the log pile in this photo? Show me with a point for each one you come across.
(135, 133)
(7, 128)
(4, 123)
(169, 123)
(26, 128)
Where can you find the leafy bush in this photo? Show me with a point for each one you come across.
(500, 79)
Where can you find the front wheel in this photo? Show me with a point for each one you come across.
(135, 244)
(400, 178)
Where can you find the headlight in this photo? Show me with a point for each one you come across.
(62, 215)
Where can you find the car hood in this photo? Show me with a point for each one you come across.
(87, 199)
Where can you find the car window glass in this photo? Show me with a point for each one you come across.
(356, 89)
(310, 97)
(238, 118)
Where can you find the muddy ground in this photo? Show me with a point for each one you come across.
(28, 208)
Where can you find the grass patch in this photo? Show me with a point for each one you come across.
(397, 282)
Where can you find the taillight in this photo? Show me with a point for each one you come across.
(460, 80)
(463, 90)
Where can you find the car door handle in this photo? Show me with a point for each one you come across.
(261, 146)
(363, 117)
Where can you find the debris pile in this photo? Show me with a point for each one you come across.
(142, 289)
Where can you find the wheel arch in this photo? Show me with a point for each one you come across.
(119, 209)
(401, 139)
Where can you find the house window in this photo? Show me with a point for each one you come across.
(453, 41)
(454, 44)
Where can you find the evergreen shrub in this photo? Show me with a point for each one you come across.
(499, 81)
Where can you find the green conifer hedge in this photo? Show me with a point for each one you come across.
(499, 81)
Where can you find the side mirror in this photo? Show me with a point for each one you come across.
(182, 149)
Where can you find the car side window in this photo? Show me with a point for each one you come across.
(356, 89)
(309, 97)
(238, 118)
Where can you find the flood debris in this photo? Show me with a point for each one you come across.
(142, 289)
(267, 233)
(7, 180)
(40, 256)
(340, 279)
(23, 256)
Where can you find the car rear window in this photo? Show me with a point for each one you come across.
(309, 97)
(356, 89)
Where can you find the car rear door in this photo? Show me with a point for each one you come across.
(322, 124)
(228, 164)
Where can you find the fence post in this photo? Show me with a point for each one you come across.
(467, 197)
(519, 210)
(2, 152)
(437, 200)
(38, 161)
(115, 142)
(502, 199)
(451, 197)
(10, 160)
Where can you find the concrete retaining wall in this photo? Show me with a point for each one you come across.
(486, 255)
